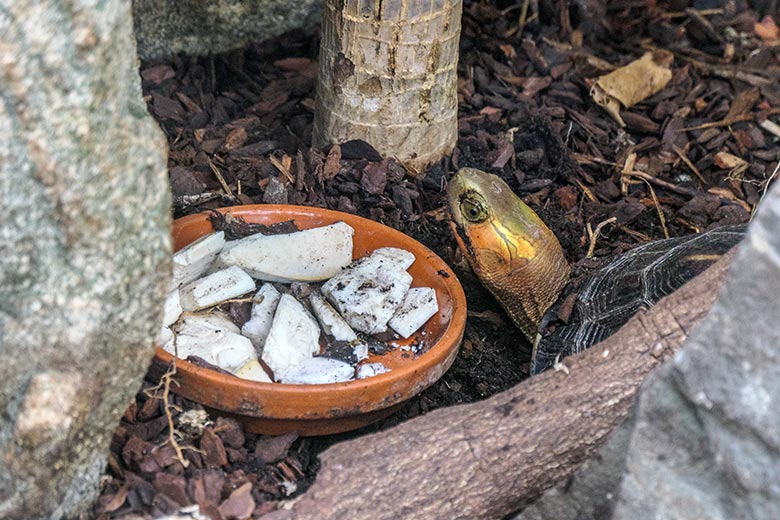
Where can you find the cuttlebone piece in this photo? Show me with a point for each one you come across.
(371, 370)
(318, 371)
(252, 371)
(165, 339)
(293, 338)
(310, 255)
(361, 351)
(331, 321)
(190, 262)
(417, 308)
(215, 288)
(217, 264)
(263, 309)
(404, 258)
(368, 292)
(210, 337)
(233, 354)
(172, 308)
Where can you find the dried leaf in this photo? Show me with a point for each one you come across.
(767, 30)
(727, 161)
(332, 163)
(632, 83)
(235, 139)
(742, 105)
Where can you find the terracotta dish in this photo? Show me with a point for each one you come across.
(274, 408)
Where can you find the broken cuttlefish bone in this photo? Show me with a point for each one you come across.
(253, 371)
(293, 338)
(310, 255)
(215, 288)
(317, 371)
(331, 321)
(419, 306)
(371, 370)
(214, 338)
(368, 292)
(403, 258)
(190, 262)
(262, 317)
(172, 308)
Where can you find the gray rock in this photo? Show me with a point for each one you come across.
(84, 246)
(202, 27)
(706, 439)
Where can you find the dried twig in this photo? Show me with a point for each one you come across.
(660, 211)
(165, 384)
(662, 183)
(283, 166)
(689, 164)
(770, 126)
(683, 14)
(766, 186)
(523, 18)
(220, 178)
(593, 235)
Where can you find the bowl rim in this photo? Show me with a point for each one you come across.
(441, 352)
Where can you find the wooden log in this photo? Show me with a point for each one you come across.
(488, 459)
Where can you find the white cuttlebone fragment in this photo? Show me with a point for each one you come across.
(361, 351)
(210, 321)
(165, 340)
(368, 292)
(234, 352)
(331, 321)
(190, 262)
(318, 371)
(293, 338)
(417, 308)
(218, 264)
(253, 371)
(306, 256)
(215, 288)
(200, 334)
(263, 309)
(402, 257)
(371, 370)
(172, 308)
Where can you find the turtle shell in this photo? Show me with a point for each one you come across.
(636, 280)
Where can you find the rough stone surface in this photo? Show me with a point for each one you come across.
(84, 246)
(202, 27)
(706, 439)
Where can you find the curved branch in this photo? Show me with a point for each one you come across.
(487, 459)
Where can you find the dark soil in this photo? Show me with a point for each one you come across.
(239, 129)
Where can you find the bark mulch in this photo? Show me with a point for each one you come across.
(239, 128)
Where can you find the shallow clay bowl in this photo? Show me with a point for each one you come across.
(274, 408)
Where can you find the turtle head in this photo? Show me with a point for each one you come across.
(514, 254)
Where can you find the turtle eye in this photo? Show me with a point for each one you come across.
(473, 211)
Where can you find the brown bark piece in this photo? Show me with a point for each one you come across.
(239, 504)
(214, 454)
(488, 459)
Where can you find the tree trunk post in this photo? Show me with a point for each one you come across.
(84, 247)
(388, 76)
